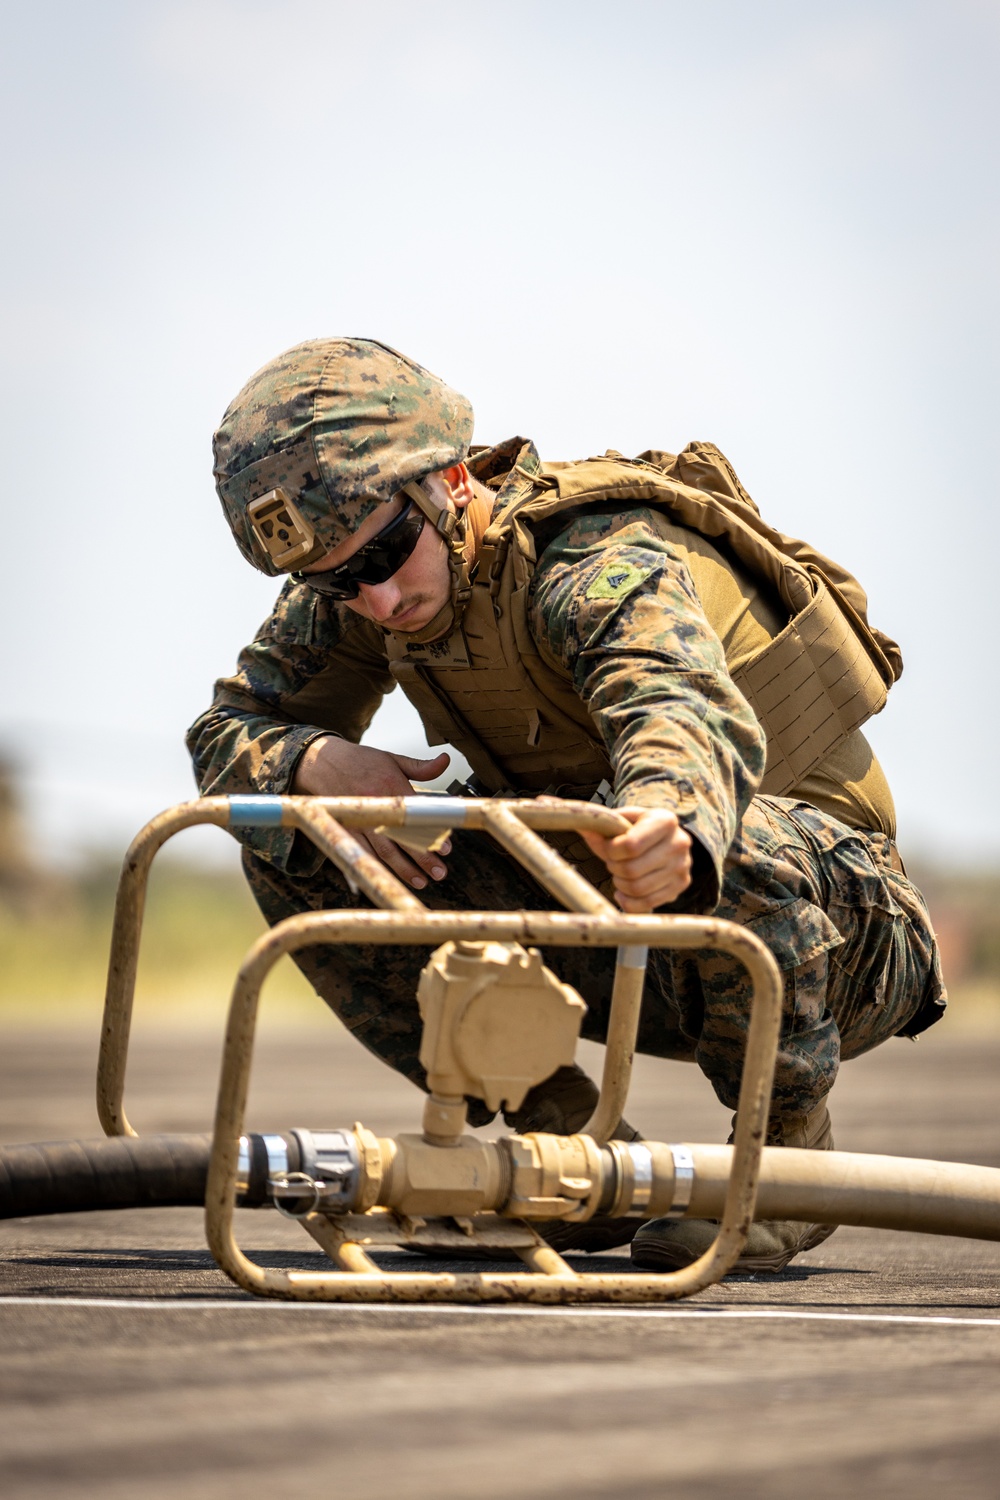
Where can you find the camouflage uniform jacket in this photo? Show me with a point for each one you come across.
(646, 665)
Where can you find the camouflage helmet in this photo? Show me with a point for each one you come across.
(322, 436)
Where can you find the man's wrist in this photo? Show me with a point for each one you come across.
(301, 782)
(701, 894)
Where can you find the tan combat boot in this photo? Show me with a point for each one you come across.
(669, 1244)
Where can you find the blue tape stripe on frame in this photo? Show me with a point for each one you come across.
(254, 812)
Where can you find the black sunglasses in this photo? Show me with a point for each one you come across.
(375, 562)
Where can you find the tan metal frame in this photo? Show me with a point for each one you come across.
(555, 929)
(593, 921)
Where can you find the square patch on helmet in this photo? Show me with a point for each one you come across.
(280, 528)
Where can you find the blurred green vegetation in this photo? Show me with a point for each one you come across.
(55, 933)
(55, 937)
(965, 908)
(967, 901)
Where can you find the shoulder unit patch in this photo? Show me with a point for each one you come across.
(616, 580)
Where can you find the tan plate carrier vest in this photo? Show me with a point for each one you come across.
(522, 726)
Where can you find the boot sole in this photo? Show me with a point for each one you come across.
(649, 1256)
(751, 1264)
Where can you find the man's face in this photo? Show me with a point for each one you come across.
(414, 594)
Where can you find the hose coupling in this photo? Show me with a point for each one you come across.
(647, 1180)
(300, 1172)
(553, 1176)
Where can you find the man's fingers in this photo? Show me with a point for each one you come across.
(410, 866)
(390, 855)
(595, 842)
(429, 862)
(660, 856)
(423, 770)
(669, 872)
(645, 887)
(650, 829)
(651, 863)
(639, 905)
(649, 833)
(399, 863)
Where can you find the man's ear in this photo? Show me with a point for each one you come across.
(459, 482)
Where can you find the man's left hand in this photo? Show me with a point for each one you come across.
(651, 864)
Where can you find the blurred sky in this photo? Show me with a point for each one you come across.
(771, 225)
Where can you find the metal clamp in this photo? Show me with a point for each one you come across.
(683, 1182)
(642, 1189)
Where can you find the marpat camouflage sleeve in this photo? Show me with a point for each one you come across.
(613, 606)
(312, 669)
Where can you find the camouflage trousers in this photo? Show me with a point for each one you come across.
(851, 936)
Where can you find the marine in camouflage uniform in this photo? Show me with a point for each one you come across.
(641, 623)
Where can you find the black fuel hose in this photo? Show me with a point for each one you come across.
(150, 1171)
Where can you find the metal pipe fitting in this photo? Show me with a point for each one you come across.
(541, 1176)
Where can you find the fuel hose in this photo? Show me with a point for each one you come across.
(150, 1171)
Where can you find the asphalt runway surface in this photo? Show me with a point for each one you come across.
(131, 1366)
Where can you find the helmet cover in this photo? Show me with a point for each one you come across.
(337, 426)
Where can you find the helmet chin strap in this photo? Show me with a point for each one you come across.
(450, 525)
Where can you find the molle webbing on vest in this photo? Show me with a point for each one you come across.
(810, 688)
(521, 725)
(829, 670)
(702, 467)
(491, 696)
(486, 690)
(487, 702)
(826, 673)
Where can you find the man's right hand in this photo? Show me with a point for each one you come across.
(331, 767)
